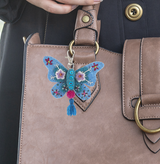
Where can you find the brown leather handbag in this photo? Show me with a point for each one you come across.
(114, 116)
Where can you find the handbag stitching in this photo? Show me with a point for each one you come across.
(151, 140)
(76, 100)
(94, 93)
(130, 104)
(22, 125)
(94, 87)
(77, 35)
(97, 90)
(89, 23)
(150, 104)
(82, 47)
(148, 146)
(142, 43)
(20, 154)
(84, 25)
(123, 78)
(143, 108)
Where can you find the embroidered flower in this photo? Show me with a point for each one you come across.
(64, 88)
(56, 92)
(80, 76)
(77, 88)
(48, 61)
(95, 66)
(60, 74)
(84, 93)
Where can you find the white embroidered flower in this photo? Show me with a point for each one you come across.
(60, 74)
(80, 76)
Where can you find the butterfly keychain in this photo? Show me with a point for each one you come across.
(70, 81)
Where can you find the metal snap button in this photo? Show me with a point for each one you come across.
(134, 12)
(85, 19)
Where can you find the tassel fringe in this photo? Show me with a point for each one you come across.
(71, 110)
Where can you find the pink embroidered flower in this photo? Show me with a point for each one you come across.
(48, 61)
(60, 74)
(80, 76)
(64, 88)
(56, 92)
(95, 66)
(77, 88)
(84, 93)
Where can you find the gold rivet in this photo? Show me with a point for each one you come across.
(85, 19)
(134, 12)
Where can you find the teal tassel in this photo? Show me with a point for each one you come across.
(71, 110)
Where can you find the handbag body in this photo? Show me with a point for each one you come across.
(104, 130)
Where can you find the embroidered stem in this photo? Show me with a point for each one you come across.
(57, 66)
(88, 70)
(52, 77)
(89, 81)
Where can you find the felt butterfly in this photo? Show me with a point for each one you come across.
(70, 81)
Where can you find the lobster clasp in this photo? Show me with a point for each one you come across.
(70, 59)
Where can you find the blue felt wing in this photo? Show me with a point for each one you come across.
(56, 71)
(87, 74)
(82, 91)
(59, 90)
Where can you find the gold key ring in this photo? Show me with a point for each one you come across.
(138, 121)
(71, 45)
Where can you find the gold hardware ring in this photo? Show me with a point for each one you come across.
(138, 121)
(71, 45)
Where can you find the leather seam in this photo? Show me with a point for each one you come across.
(91, 100)
(148, 146)
(131, 100)
(77, 36)
(94, 87)
(95, 91)
(86, 24)
(93, 34)
(24, 98)
(94, 22)
(76, 33)
(150, 105)
(76, 100)
(94, 37)
(86, 47)
(142, 66)
(123, 78)
(148, 117)
(91, 25)
(144, 106)
(151, 140)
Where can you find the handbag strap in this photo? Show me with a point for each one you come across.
(87, 31)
